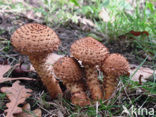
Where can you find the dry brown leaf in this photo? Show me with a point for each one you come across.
(17, 95)
(104, 15)
(28, 113)
(143, 73)
(86, 21)
(6, 68)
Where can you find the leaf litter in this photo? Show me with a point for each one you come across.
(17, 94)
(6, 68)
(143, 72)
(27, 112)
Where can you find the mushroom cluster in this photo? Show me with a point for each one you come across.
(38, 41)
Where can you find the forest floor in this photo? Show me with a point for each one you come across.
(68, 32)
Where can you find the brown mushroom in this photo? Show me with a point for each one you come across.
(68, 69)
(114, 66)
(91, 52)
(37, 41)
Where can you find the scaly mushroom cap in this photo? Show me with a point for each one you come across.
(115, 65)
(35, 38)
(89, 50)
(68, 69)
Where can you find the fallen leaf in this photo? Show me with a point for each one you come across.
(6, 68)
(138, 33)
(142, 74)
(28, 113)
(17, 94)
(60, 114)
(86, 21)
(105, 16)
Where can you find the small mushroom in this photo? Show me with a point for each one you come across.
(37, 41)
(69, 71)
(114, 66)
(91, 52)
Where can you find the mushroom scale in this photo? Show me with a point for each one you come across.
(69, 71)
(89, 51)
(92, 53)
(37, 41)
(114, 66)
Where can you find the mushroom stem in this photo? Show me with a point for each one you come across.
(109, 85)
(93, 82)
(114, 66)
(46, 75)
(78, 96)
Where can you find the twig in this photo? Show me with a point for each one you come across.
(11, 79)
(44, 109)
(97, 106)
(126, 93)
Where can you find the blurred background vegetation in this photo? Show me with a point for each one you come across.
(112, 18)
